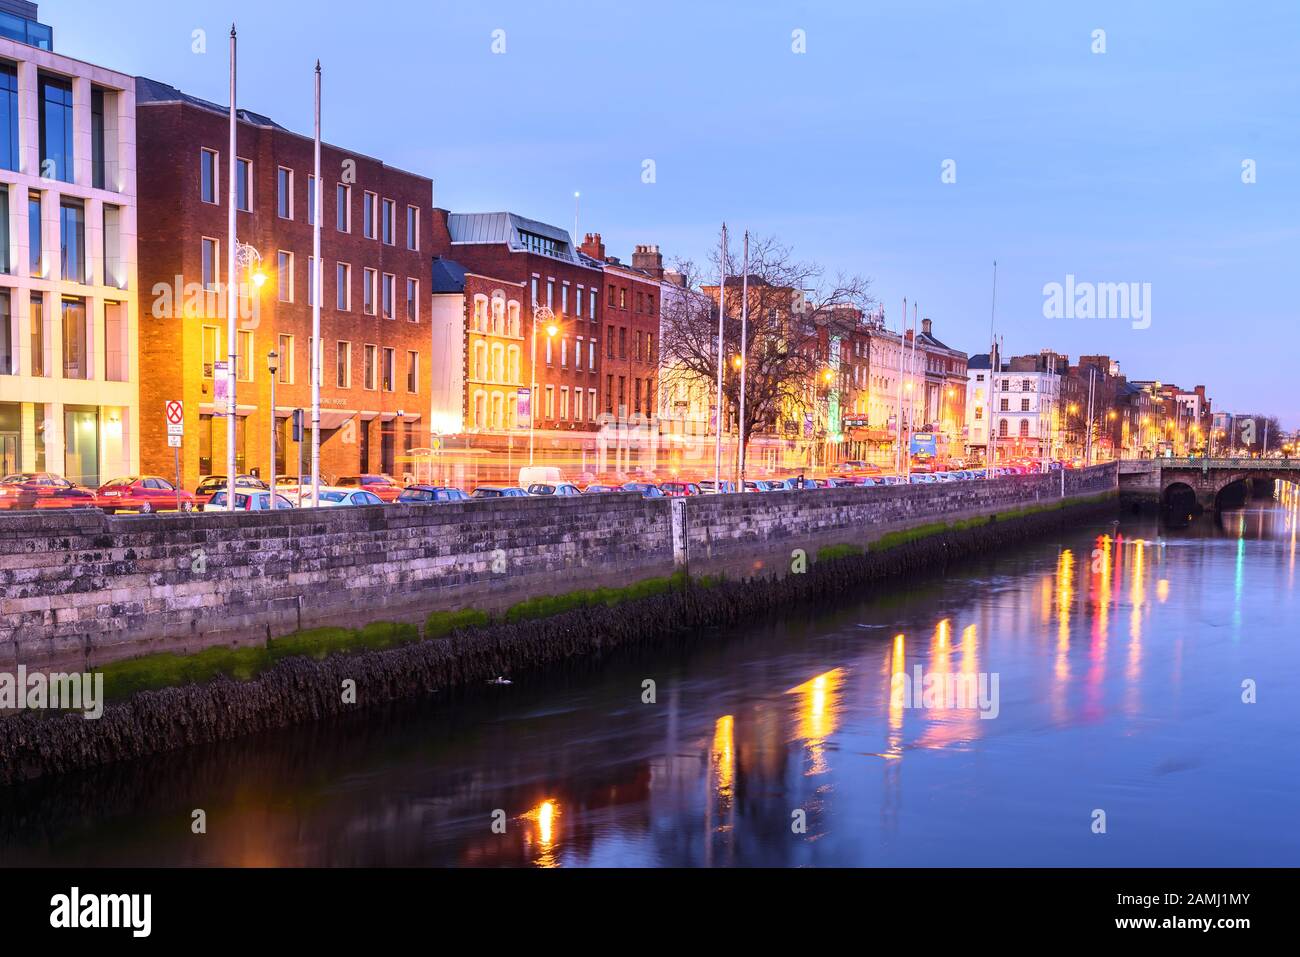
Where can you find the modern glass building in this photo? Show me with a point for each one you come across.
(69, 373)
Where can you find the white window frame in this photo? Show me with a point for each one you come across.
(279, 274)
(278, 171)
(347, 287)
(216, 176)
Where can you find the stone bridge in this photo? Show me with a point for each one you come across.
(1152, 479)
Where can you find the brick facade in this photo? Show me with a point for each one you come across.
(368, 418)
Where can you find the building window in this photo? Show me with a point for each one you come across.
(343, 287)
(591, 355)
(549, 360)
(550, 293)
(550, 402)
(564, 402)
(594, 299)
(8, 354)
(390, 292)
(116, 367)
(370, 279)
(311, 280)
(390, 214)
(389, 363)
(284, 193)
(577, 405)
(311, 200)
(412, 371)
(76, 340)
(1024, 428)
(243, 185)
(370, 369)
(244, 355)
(534, 292)
(412, 227)
(622, 342)
(56, 129)
(343, 364)
(211, 257)
(1024, 405)
(211, 350)
(564, 299)
(285, 375)
(577, 303)
(208, 164)
(609, 342)
(285, 266)
(34, 238)
(368, 211)
(591, 405)
(111, 236)
(8, 117)
(72, 240)
(413, 300)
(609, 393)
(343, 208)
(1024, 385)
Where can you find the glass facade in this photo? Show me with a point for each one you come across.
(72, 240)
(27, 31)
(76, 340)
(81, 445)
(56, 128)
(8, 117)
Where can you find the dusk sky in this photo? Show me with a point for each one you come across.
(1122, 166)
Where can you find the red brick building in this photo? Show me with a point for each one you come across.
(376, 245)
(562, 287)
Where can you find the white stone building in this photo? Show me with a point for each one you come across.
(69, 371)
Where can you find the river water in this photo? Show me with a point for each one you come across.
(1120, 655)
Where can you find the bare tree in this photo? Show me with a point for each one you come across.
(790, 301)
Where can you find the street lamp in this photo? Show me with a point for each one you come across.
(540, 314)
(273, 366)
(246, 257)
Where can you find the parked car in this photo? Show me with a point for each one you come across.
(498, 491)
(384, 487)
(331, 495)
(706, 486)
(763, 485)
(644, 488)
(545, 488)
(43, 490)
(680, 489)
(846, 482)
(142, 493)
(250, 501)
(922, 478)
(432, 493)
(210, 484)
(539, 475)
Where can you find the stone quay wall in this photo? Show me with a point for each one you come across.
(80, 588)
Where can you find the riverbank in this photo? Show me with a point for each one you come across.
(299, 689)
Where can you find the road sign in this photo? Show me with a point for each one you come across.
(175, 418)
(174, 441)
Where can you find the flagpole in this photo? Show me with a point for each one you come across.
(990, 450)
(722, 311)
(898, 413)
(231, 304)
(317, 287)
(744, 362)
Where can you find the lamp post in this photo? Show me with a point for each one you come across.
(246, 258)
(540, 314)
(273, 366)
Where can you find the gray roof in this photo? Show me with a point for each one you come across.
(979, 361)
(448, 275)
(506, 228)
(155, 91)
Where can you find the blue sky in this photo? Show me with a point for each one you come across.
(1124, 166)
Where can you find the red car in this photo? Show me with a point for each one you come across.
(43, 490)
(144, 494)
(679, 489)
(384, 486)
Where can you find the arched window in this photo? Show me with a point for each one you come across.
(512, 318)
(480, 409)
(480, 313)
(498, 362)
(513, 402)
(498, 314)
(512, 364)
(1024, 428)
(498, 410)
(479, 368)
(1002, 428)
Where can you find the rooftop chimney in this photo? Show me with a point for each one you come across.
(593, 246)
(648, 259)
(925, 327)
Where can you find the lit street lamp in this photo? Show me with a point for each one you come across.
(540, 314)
(273, 366)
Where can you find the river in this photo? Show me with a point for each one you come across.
(1142, 697)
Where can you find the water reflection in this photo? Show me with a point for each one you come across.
(809, 714)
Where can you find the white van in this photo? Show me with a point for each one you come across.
(539, 475)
